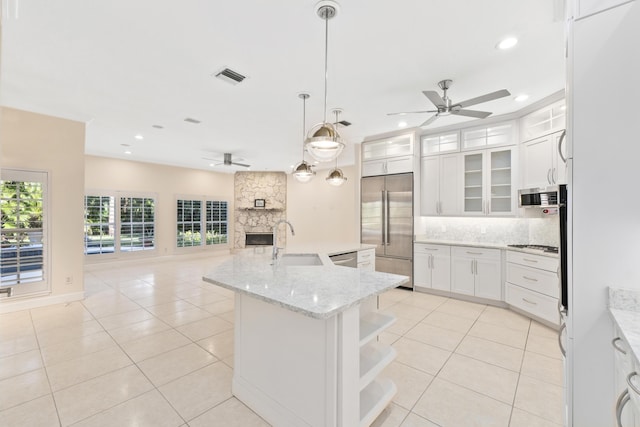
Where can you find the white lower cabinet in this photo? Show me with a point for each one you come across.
(367, 259)
(533, 285)
(477, 272)
(627, 400)
(375, 392)
(432, 266)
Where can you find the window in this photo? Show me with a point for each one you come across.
(99, 224)
(23, 227)
(137, 228)
(192, 220)
(106, 232)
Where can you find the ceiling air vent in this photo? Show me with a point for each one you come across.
(344, 123)
(190, 120)
(230, 76)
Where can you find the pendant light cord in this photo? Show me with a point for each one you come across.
(326, 55)
(304, 114)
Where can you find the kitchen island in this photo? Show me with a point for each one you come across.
(306, 352)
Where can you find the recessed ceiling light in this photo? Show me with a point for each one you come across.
(212, 164)
(402, 124)
(139, 137)
(127, 152)
(507, 43)
(521, 98)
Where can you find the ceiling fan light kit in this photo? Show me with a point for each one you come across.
(323, 142)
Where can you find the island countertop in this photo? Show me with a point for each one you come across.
(318, 291)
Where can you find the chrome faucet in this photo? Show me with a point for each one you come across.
(275, 237)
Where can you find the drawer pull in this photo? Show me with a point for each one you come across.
(530, 260)
(529, 301)
(616, 346)
(430, 249)
(530, 278)
(474, 253)
(363, 264)
(632, 385)
(623, 399)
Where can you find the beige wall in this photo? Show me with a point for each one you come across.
(322, 213)
(37, 142)
(167, 182)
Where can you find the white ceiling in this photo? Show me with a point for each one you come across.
(123, 66)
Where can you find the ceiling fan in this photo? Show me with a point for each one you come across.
(227, 161)
(445, 107)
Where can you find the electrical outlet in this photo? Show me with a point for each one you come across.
(68, 280)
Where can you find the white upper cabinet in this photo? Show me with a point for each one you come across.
(440, 185)
(489, 136)
(387, 156)
(543, 122)
(488, 182)
(545, 161)
(589, 7)
(439, 144)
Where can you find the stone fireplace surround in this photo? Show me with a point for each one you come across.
(249, 186)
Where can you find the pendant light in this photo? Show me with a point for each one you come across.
(336, 177)
(323, 141)
(303, 172)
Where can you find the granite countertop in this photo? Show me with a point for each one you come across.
(318, 291)
(424, 239)
(624, 307)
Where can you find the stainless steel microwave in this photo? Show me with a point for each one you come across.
(538, 197)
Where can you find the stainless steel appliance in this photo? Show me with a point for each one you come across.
(542, 248)
(564, 280)
(538, 197)
(347, 259)
(387, 222)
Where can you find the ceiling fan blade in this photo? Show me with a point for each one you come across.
(429, 120)
(484, 98)
(241, 164)
(402, 113)
(435, 98)
(472, 113)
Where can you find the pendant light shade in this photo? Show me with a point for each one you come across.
(323, 141)
(336, 177)
(303, 172)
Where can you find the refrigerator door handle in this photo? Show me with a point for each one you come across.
(388, 238)
(384, 219)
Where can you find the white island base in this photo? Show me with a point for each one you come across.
(295, 370)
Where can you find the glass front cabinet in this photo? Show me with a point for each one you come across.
(488, 182)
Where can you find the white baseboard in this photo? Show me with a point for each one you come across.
(9, 306)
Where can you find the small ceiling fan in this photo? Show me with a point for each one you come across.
(445, 107)
(227, 161)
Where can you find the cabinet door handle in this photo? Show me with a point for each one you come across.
(529, 301)
(531, 279)
(549, 176)
(472, 272)
(474, 253)
(560, 141)
(554, 175)
(623, 399)
(616, 346)
(530, 260)
(562, 349)
(632, 385)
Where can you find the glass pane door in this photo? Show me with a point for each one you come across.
(473, 185)
(501, 181)
(24, 243)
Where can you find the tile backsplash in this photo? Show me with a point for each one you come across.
(541, 231)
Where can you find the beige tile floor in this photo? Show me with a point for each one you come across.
(152, 345)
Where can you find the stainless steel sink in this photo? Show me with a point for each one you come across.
(300, 259)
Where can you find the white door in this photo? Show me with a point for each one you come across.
(538, 162)
(450, 184)
(429, 186)
(421, 270)
(462, 275)
(441, 272)
(488, 283)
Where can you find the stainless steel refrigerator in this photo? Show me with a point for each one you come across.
(387, 221)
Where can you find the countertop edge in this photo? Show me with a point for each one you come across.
(484, 245)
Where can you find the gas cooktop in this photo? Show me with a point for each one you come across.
(543, 248)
